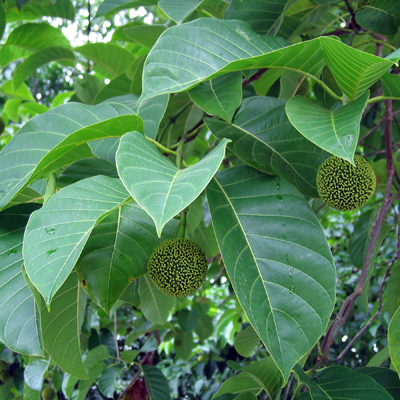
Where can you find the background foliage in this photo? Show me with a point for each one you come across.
(123, 121)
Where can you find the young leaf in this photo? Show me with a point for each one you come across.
(334, 131)
(263, 137)
(117, 252)
(246, 341)
(56, 234)
(277, 259)
(107, 380)
(20, 329)
(143, 169)
(34, 373)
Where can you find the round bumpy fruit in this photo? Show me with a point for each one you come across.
(49, 393)
(344, 186)
(178, 267)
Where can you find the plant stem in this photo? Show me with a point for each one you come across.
(375, 41)
(51, 187)
(182, 229)
(162, 148)
(382, 98)
(179, 154)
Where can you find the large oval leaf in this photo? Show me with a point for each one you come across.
(117, 252)
(56, 234)
(334, 131)
(58, 138)
(158, 186)
(263, 137)
(277, 259)
(394, 340)
(19, 326)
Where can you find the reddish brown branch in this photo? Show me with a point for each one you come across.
(387, 202)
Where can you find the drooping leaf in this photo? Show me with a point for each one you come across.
(61, 326)
(264, 17)
(380, 357)
(183, 345)
(58, 138)
(246, 341)
(156, 383)
(391, 85)
(107, 380)
(385, 377)
(56, 234)
(20, 329)
(142, 168)
(188, 319)
(86, 385)
(339, 382)
(220, 96)
(10, 53)
(394, 340)
(205, 327)
(110, 59)
(263, 137)
(361, 71)
(42, 57)
(34, 373)
(155, 305)
(383, 16)
(274, 251)
(179, 11)
(117, 253)
(334, 131)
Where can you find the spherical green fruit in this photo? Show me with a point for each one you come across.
(344, 186)
(363, 3)
(5, 376)
(3, 365)
(49, 393)
(2, 125)
(178, 267)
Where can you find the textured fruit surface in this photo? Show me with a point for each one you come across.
(363, 3)
(49, 393)
(344, 186)
(178, 267)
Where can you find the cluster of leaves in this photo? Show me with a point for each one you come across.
(215, 117)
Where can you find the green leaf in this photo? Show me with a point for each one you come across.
(156, 383)
(141, 166)
(391, 85)
(117, 253)
(2, 20)
(61, 326)
(205, 327)
(385, 377)
(118, 86)
(34, 373)
(188, 319)
(379, 357)
(393, 290)
(10, 53)
(179, 11)
(108, 7)
(30, 394)
(22, 92)
(37, 36)
(354, 70)
(54, 240)
(382, 16)
(61, 98)
(334, 131)
(394, 340)
(254, 377)
(42, 57)
(145, 35)
(87, 88)
(220, 96)
(86, 385)
(107, 380)
(264, 17)
(155, 305)
(246, 341)
(183, 345)
(339, 382)
(58, 138)
(263, 137)
(152, 112)
(282, 268)
(86, 168)
(109, 59)
(20, 329)
(59, 8)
